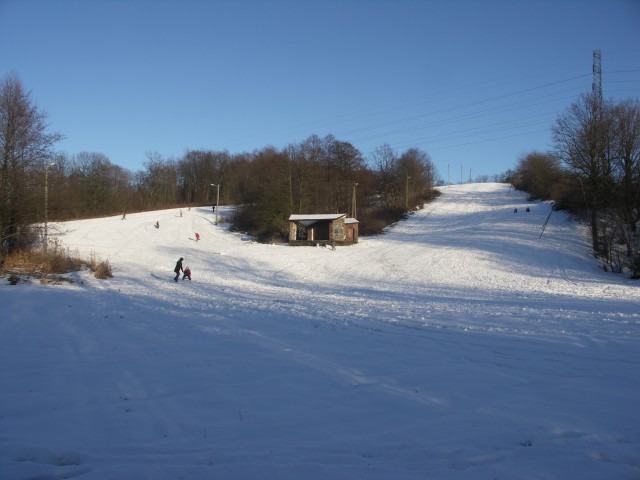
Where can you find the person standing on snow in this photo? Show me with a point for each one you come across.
(178, 269)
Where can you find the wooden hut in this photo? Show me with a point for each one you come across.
(322, 229)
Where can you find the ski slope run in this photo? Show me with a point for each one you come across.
(460, 344)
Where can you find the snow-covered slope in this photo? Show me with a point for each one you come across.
(460, 344)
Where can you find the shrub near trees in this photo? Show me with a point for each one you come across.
(539, 174)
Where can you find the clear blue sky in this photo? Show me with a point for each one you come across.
(476, 84)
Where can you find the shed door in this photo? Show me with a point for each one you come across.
(322, 231)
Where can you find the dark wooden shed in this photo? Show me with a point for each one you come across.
(322, 229)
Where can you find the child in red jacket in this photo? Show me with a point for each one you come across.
(187, 273)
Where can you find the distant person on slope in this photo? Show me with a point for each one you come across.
(178, 269)
(187, 273)
(197, 237)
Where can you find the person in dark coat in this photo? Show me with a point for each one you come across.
(187, 273)
(178, 269)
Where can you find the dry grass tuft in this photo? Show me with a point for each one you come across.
(49, 267)
(103, 270)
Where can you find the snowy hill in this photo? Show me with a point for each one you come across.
(461, 344)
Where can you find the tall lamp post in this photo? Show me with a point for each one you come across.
(46, 205)
(353, 200)
(406, 195)
(217, 199)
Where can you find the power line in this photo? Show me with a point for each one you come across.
(459, 112)
(357, 115)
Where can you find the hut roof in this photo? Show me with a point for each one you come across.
(315, 216)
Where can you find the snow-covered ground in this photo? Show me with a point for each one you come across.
(458, 345)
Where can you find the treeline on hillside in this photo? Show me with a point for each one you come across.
(317, 175)
(594, 171)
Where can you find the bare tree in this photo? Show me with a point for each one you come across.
(582, 137)
(419, 172)
(299, 178)
(160, 183)
(346, 162)
(25, 148)
(385, 162)
(627, 154)
(315, 157)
